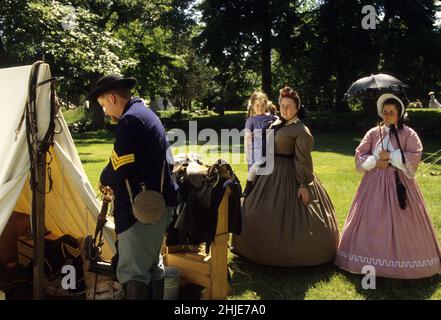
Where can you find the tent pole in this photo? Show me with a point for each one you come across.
(39, 197)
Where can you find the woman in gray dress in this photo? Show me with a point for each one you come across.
(288, 218)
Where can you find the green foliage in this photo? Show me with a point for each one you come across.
(133, 37)
(320, 47)
(78, 52)
(86, 47)
(236, 38)
(216, 52)
(74, 115)
(426, 122)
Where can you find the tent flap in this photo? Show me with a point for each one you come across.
(71, 207)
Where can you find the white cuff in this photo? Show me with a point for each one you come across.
(251, 173)
(253, 169)
(396, 161)
(369, 163)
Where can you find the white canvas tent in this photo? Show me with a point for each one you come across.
(71, 206)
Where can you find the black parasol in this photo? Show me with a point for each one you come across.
(375, 85)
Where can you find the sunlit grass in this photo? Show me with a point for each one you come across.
(334, 165)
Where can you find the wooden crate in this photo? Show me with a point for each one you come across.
(25, 248)
(18, 225)
(209, 271)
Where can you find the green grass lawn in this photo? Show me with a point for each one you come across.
(334, 164)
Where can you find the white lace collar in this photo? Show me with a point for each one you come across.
(385, 129)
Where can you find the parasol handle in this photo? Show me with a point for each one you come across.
(381, 137)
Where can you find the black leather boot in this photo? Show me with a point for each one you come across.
(135, 290)
(157, 289)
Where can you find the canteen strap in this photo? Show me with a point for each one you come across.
(129, 190)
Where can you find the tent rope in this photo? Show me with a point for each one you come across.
(428, 166)
(432, 155)
(87, 220)
(62, 192)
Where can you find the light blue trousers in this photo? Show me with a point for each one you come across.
(139, 251)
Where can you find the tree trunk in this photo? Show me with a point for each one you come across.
(3, 55)
(340, 105)
(96, 110)
(342, 86)
(266, 49)
(369, 107)
(97, 116)
(311, 103)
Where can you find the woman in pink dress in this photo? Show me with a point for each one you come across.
(388, 226)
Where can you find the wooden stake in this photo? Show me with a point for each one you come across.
(39, 197)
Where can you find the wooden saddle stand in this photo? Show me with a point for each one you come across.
(207, 270)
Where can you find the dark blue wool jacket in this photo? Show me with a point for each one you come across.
(138, 155)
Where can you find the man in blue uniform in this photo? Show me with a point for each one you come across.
(138, 156)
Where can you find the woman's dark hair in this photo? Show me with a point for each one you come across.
(288, 92)
(402, 120)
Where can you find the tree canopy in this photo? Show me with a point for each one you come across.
(221, 50)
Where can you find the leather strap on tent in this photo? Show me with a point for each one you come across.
(35, 146)
(31, 121)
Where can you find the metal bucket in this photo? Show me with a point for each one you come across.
(171, 283)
